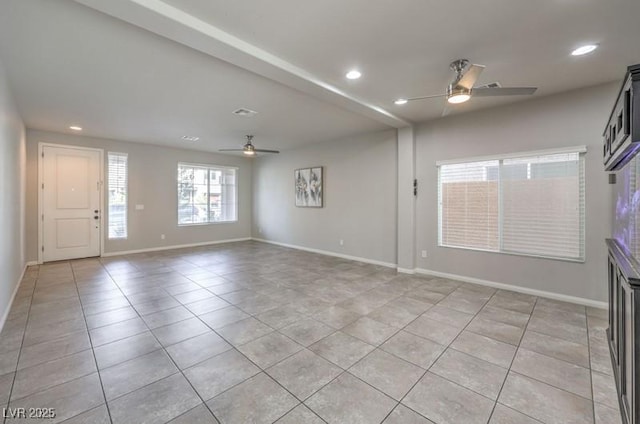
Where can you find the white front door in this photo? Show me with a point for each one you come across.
(71, 193)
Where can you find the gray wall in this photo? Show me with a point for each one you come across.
(152, 182)
(12, 171)
(360, 187)
(569, 119)
(360, 177)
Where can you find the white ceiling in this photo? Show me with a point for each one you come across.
(287, 59)
(68, 64)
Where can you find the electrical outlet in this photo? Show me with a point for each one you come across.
(341, 242)
(424, 253)
(162, 237)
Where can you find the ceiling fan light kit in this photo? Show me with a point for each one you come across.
(249, 150)
(458, 94)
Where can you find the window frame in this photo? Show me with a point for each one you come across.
(209, 168)
(580, 150)
(126, 201)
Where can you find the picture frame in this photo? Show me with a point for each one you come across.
(308, 187)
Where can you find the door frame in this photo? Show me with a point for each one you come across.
(41, 146)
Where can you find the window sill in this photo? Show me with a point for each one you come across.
(527, 255)
(200, 224)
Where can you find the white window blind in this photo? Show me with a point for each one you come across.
(532, 205)
(469, 205)
(117, 186)
(206, 194)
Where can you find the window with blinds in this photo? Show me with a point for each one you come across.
(206, 194)
(531, 204)
(117, 200)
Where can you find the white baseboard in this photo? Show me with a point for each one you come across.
(328, 253)
(32, 263)
(525, 290)
(406, 270)
(175, 246)
(13, 296)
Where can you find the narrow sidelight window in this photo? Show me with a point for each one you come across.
(117, 186)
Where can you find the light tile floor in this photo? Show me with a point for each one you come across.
(253, 333)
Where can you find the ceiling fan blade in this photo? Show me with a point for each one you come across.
(425, 97)
(446, 110)
(503, 91)
(230, 150)
(266, 151)
(470, 77)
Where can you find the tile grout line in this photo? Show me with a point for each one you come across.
(64, 356)
(24, 334)
(346, 371)
(93, 353)
(441, 353)
(163, 348)
(302, 402)
(232, 346)
(373, 350)
(512, 361)
(402, 359)
(567, 362)
(593, 398)
(591, 371)
(265, 293)
(390, 336)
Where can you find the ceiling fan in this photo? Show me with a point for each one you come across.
(249, 149)
(462, 87)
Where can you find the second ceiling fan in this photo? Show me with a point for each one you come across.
(249, 149)
(462, 87)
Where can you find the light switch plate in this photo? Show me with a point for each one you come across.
(139, 207)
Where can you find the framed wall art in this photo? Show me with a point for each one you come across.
(308, 187)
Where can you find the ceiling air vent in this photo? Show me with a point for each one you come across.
(244, 112)
(490, 85)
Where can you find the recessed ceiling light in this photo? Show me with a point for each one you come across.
(353, 74)
(582, 50)
(190, 138)
(75, 128)
(401, 102)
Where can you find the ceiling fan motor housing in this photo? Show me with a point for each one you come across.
(456, 90)
(458, 66)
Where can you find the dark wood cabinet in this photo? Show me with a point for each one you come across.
(621, 137)
(624, 329)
